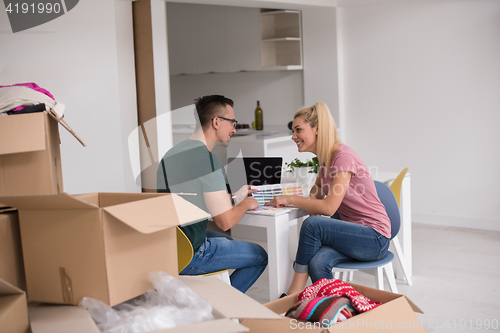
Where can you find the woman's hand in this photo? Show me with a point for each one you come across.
(280, 201)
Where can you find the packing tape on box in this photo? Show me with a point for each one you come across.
(66, 285)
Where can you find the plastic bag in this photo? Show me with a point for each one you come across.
(172, 303)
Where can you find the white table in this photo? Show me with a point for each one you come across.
(277, 226)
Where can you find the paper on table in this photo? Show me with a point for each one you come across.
(265, 193)
(268, 210)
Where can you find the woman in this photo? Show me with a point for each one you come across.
(360, 229)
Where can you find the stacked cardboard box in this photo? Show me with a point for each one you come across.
(13, 311)
(30, 164)
(99, 245)
(30, 159)
(11, 256)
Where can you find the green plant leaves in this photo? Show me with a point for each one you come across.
(296, 163)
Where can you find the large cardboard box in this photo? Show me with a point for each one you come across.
(13, 309)
(30, 159)
(11, 255)
(99, 245)
(227, 302)
(396, 314)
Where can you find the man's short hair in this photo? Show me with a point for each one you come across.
(208, 107)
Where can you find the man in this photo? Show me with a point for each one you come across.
(191, 170)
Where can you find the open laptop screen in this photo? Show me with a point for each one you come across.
(253, 171)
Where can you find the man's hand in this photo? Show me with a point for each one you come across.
(243, 192)
(252, 203)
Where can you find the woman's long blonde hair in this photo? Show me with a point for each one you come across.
(328, 139)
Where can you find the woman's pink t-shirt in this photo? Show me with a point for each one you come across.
(361, 204)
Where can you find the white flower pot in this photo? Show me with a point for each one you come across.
(302, 176)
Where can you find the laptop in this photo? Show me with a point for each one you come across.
(253, 171)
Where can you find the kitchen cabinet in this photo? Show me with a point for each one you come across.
(212, 39)
(181, 31)
(243, 39)
(281, 40)
(211, 42)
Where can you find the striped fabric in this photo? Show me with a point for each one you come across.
(338, 288)
(326, 310)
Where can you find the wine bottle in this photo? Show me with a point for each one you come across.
(259, 118)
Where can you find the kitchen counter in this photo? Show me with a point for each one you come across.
(270, 133)
(269, 130)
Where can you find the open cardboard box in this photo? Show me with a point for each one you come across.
(227, 302)
(397, 313)
(13, 309)
(30, 159)
(98, 245)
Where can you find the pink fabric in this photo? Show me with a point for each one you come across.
(33, 86)
(338, 288)
(361, 204)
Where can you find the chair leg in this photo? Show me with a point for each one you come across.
(336, 275)
(402, 262)
(379, 278)
(345, 275)
(225, 277)
(389, 272)
(351, 276)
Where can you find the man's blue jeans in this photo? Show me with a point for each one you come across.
(221, 252)
(325, 242)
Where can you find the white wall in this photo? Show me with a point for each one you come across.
(421, 83)
(280, 93)
(80, 59)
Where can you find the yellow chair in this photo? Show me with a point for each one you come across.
(185, 254)
(396, 185)
(396, 189)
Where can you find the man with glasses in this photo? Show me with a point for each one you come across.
(192, 170)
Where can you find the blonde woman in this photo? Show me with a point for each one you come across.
(358, 227)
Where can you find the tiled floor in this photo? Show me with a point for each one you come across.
(456, 279)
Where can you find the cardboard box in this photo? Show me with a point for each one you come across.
(11, 255)
(99, 245)
(227, 303)
(30, 159)
(13, 309)
(46, 318)
(397, 313)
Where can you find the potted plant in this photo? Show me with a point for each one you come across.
(304, 172)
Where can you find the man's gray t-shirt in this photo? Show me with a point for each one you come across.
(190, 168)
